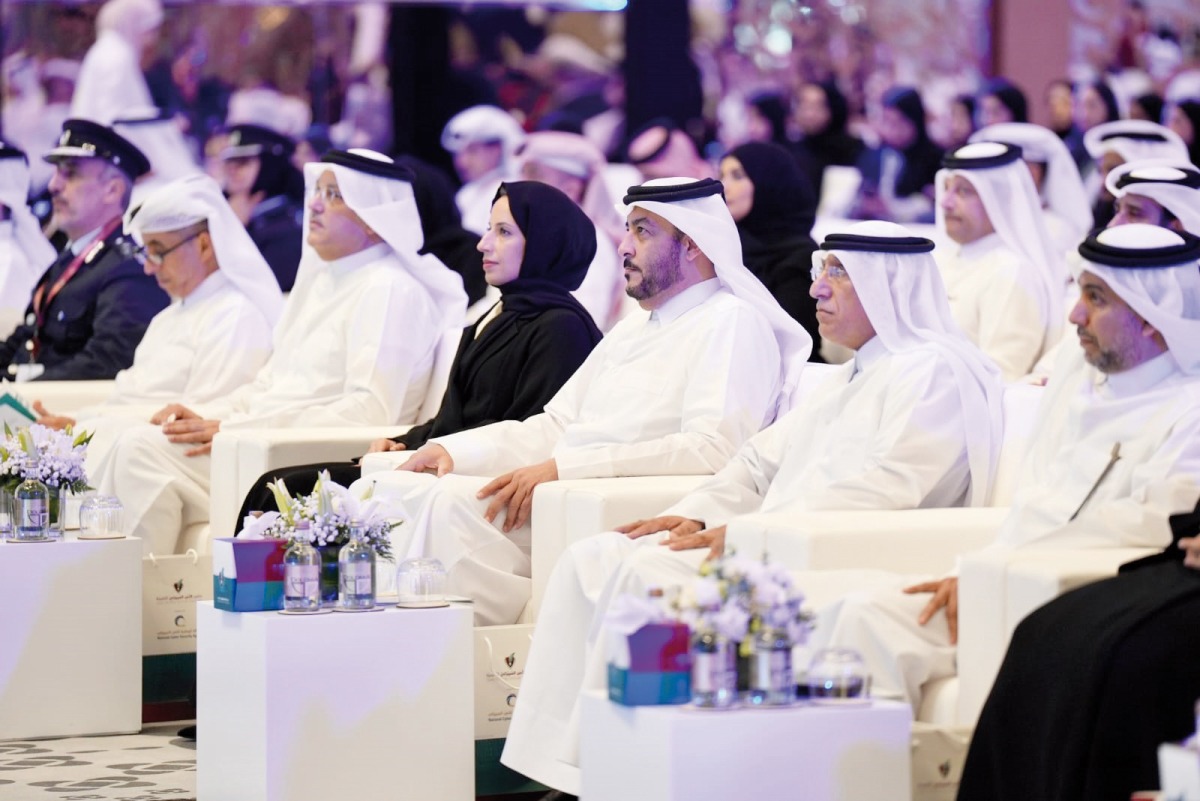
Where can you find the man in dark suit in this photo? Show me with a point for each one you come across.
(88, 311)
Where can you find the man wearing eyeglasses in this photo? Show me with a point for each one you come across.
(357, 345)
(91, 307)
(216, 333)
(914, 420)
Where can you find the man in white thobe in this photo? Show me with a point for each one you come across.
(1006, 283)
(25, 253)
(912, 421)
(111, 80)
(673, 393)
(1065, 206)
(484, 141)
(1112, 144)
(1116, 452)
(356, 345)
(1162, 192)
(216, 333)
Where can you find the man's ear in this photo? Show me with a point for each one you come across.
(690, 249)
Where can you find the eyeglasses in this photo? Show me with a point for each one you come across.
(140, 253)
(328, 194)
(833, 272)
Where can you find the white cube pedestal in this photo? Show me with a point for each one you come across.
(367, 705)
(673, 753)
(70, 638)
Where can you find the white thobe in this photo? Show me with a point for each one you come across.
(886, 431)
(17, 279)
(673, 393)
(1153, 411)
(199, 348)
(991, 305)
(111, 81)
(355, 348)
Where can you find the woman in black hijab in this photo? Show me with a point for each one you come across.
(773, 205)
(516, 357)
(822, 115)
(909, 197)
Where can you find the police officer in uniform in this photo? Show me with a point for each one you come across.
(89, 310)
(266, 191)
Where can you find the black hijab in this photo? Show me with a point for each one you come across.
(777, 244)
(560, 243)
(922, 158)
(784, 205)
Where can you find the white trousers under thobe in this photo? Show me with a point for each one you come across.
(446, 522)
(162, 490)
(861, 609)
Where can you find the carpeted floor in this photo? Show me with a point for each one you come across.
(155, 765)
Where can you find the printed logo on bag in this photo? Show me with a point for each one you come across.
(944, 768)
(511, 659)
(179, 586)
(180, 620)
(511, 700)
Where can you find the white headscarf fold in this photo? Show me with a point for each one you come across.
(1015, 211)
(905, 300)
(483, 124)
(708, 222)
(1062, 189)
(577, 156)
(1160, 181)
(190, 200)
(389, 208)
(1133, 140)
(38, 253)
(1167, 297)
(159, 139)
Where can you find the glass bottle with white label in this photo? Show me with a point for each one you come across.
(356, 571)
(31, 511)
(302, 572)
(771, 679)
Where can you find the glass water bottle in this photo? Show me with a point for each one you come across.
(356, 571)
(302, 573)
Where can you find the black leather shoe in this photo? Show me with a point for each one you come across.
(187, 733)
(558, 795)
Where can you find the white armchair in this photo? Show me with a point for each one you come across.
(239, 457)
(64, 397)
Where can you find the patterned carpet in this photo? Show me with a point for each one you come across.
(155, 765)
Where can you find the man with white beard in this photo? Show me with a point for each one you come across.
(912, 421)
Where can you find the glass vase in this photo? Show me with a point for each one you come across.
(57, 506)
(329, 573)
(714, 671)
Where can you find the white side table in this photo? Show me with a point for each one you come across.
(70, 638)
(672, 753)
(368, 705)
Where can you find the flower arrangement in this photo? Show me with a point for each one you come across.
(736, 597)
(329, 509)
(48, 455)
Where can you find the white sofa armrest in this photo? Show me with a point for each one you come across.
(995, 593)
(64, 397)
(565, 512)
(239, 457)
(909, 541)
